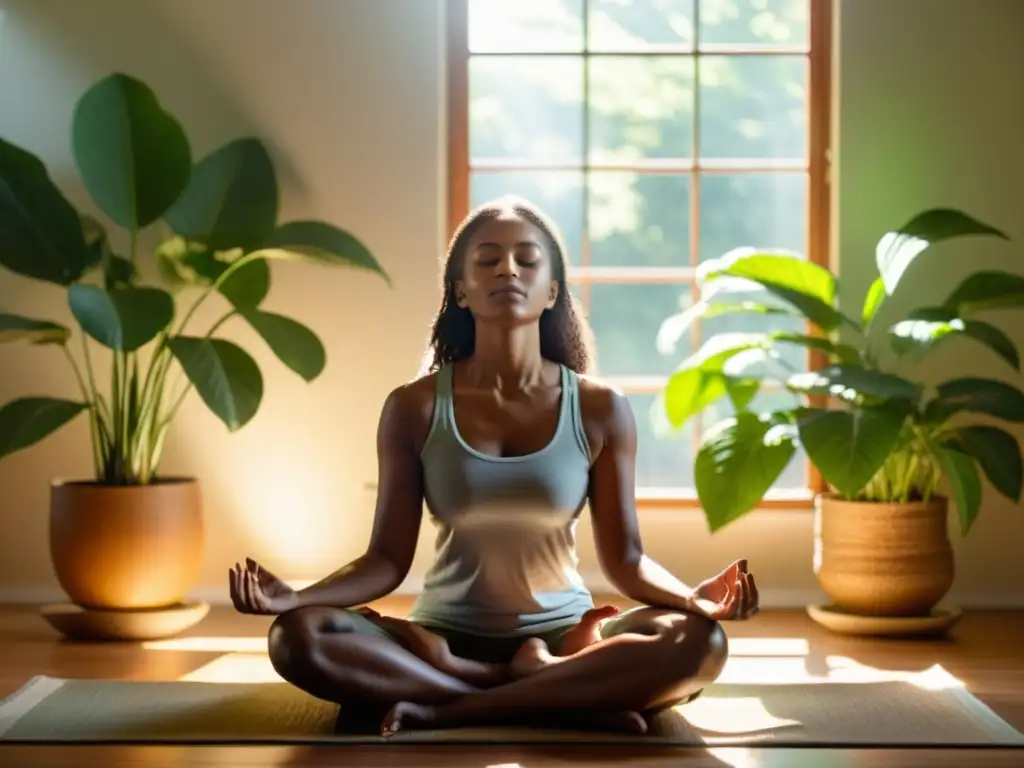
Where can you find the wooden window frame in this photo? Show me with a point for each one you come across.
(819, 197)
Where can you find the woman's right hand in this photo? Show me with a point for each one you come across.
(257, 591)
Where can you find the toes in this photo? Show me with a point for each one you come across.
(602, 612)
(404, 714)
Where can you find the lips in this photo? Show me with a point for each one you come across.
(508, 289)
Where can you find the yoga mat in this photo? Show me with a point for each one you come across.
(915, 711)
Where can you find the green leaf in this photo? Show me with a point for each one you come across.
(121, 318)
(673, 328)
(963, 477)
(184, 263)
(134, 157)
(231, 199)
(976, 395)
(846, 354)
(807, 286)
(40, 232)
(738, 461)
(987, 290)
(999, 455)
(325, 244)
(16, 328)
(897, 249)
(701, 379)
(742, 390)
(26, 421)
(294, 344)
(873, 301)
(925, 328)
(118, 272)
(849, 381)
(690, 391)
(225, 376)
(246, 287)
(849, 447)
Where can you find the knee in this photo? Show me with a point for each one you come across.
(696, 647)
(293, 638)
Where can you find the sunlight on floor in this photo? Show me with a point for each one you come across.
(768, 646)
(754, 661)
(734, 716)
(235, 668)
(741, 646)
(209, 644)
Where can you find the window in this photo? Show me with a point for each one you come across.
(658, 134)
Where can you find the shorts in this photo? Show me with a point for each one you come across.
(489, 649)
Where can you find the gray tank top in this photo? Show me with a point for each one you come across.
(505, 552)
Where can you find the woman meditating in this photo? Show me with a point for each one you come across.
(505, 440)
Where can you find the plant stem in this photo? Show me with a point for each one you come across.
(93, 416)
(173, 411)
(215, 286)
(102, 412)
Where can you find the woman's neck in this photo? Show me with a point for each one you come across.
(506, 358)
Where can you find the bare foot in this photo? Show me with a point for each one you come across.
(409, 716)
(587, 632)
(405, 716)
(531, 658)
(434, 650)
(613, 720)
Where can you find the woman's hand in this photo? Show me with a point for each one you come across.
(257, 591)
(731, 594)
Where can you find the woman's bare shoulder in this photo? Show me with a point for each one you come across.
(409, 408)
(605, 410)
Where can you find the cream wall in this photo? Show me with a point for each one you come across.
(349, 96)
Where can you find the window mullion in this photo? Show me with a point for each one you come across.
(585, 159)
(695, 335)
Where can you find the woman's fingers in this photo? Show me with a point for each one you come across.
(250, 596)
(755, 598)
(258, 599)
(233, 589)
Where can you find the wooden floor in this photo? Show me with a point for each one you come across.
(986, 651)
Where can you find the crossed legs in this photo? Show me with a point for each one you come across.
(654, 659)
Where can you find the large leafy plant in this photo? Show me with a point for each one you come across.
(216, 228)
(873, 433)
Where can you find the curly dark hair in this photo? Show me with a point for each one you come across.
(565, 335)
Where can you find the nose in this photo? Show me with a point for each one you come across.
(507, 266)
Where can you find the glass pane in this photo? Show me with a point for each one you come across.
(525, 25)
(626, 319)
(769, 23)
(558, 193)
(794, 477)
(753, 107)
(664, 456)
(757, 210)
(641, 107)
(639, 25)
(639, 220)
(526, 108)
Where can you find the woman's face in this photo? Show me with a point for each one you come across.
(507, 276)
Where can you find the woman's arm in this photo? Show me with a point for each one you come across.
(613, 507)
(398, 513)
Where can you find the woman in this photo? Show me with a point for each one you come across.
(505, 440)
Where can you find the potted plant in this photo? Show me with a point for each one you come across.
(130, 538)
(881, 440)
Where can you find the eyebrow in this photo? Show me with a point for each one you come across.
(521, 243)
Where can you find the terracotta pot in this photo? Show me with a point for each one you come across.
(880, 559)
(126, 547)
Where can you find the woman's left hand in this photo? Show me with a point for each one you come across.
(731, 595)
